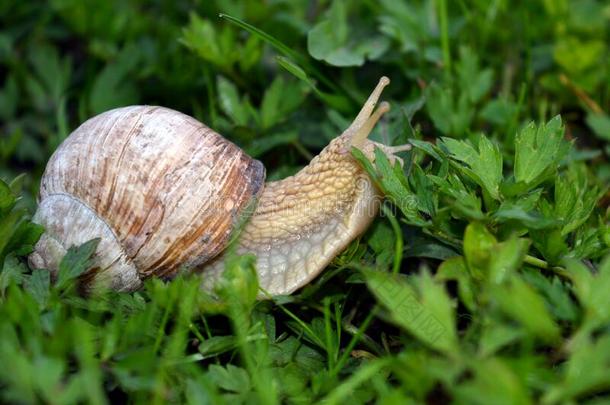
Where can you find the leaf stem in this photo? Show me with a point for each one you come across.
(444, 26)
(398, 245)
(541, 264)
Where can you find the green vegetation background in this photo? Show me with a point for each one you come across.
(485, 280)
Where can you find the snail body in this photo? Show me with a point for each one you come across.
(164, 192)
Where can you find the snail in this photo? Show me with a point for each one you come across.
(165, 193)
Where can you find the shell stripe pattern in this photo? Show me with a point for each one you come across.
(170, 188)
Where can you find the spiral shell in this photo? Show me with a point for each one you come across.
(161, 190)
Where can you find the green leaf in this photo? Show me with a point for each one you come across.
(506, 258)
(331, 40)
(427, 200)
(450, 114)
(392, 182)
(474, 81)
(380, 239)
(592, 291)
(238, 288)
(7, 199)
(428, 148)
(483, 165)
(17, 234)
(9, 97)
(463, 199)
(12, 272)
(538, 151)
(523, 304)
(600, 124)
(280, 99)
(478, 242)
(209, 43)
(230, 102)
(111, 87)
(294, 69)
(586, 372)
(430, 318)
(499, 111)
(557, 293)
(334, 100)
(262, 145)
(52, 73)
(550, 243)
(514, 211)
(455, 269)
(495, 336)
(576, 55)
(422, 246)
(37, 285)
(216, 345)
(230, 378)
(575, 199)
(494, 382)
(76, 261)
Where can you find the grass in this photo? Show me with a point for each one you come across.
(484, 280)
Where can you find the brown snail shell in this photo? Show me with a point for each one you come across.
(161, 190)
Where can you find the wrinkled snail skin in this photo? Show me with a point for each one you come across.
(164, 193)
(303, 222)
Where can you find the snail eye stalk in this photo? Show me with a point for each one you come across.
(367, 117)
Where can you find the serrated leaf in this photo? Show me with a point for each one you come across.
(587, 371)
(279, 100)
(429, 317)
(52, 74)
(76, 262)
(494, 382)
(592, 290)
(522, 303)
(201, 37)
(463, 199)
(483, 165)
(474, 81)
(450, 114)
(392, 182)
(538, 151)
(575, 199)
(513, 211)
(557, 293)
(37, 285)
(230, 378)
(216, 345)
(424, 191)
(230, 102)
(428, 148)
(7, 199)
(331, 40)
(12, 272)
(111, 87)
